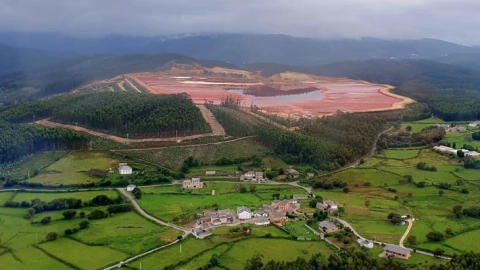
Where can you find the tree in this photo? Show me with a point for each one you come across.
(84, 224)
(438, 252)
(255, 263)
(82, 214)
(394, 218)
(434, 236)
(275, 196)
(448, 231)
(31, 212)
(51, 236)
(68, 231)
(412, 240)
(137, 193)
(243, 189)
(460, 154)
(97, 214)
(408, 128)
(346, 190)
(69, 214)
(45, 220)
(253, 189)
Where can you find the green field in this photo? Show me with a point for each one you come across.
(417, 126)
(401, 154)
(81, 255)
(161, 203)
(298, 229)
(173, 157)
(75, 168)
(128, 233)
(434, 212)
(30, 165)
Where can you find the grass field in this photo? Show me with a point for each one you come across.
(298, 229)
(74, 168)
(367, 207)
(81, 255)
(128, 233)
(417, 126)
(30, 165)
(173, 157)
(401, 154)
(50, 196)
(158, 202)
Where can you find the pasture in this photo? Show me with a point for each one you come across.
(367, 206)
(78, 167)
(30, 166)
(50, 196)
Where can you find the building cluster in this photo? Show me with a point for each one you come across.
(474, 124)
(449, 128)
(327, 206)
(449, 150)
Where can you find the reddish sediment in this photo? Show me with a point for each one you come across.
(332, 94)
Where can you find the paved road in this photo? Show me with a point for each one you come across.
(404, 236)
(139, 209)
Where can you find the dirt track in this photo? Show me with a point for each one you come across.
(217, 130)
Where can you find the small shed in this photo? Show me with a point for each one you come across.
(130, 188)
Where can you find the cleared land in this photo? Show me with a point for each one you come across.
(75, 168)
(30, 165)
(286, 95)
(173, 157)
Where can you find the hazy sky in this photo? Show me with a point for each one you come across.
(452, 20)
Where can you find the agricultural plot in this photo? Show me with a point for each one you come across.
(401, 154)
(367, 207)
(82, 195)
(173, 157)
(298, 229)
(461, 138)
(76, 168)
(77, 253)
(417, 126)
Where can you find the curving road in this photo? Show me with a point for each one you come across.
(404, 236)
(142, 212)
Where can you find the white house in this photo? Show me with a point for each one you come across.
(123, 168)
(244, 213)
(249, 175)
(445, 149)
(193, 183)
(130, 188)
(365, 243)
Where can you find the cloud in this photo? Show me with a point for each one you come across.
(455, 21)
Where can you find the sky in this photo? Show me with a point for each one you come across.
(451, 20)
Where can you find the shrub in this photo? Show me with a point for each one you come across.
(45, 220)
(51, 236)
(435, 236)
(84, 224)
(68, 231)
(69, 214)
(119, 208)
(97, 214)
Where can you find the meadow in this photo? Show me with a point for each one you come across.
(30, 166)
(387, 190)
(75, 168)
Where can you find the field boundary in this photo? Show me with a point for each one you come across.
(57, 258)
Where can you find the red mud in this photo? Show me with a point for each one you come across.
(332, 94)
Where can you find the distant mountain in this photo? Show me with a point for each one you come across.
(243, 48)
(14, 59)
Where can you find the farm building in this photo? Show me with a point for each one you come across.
(365, 243)
(281, 205)
(445, 149)
(123, 168)
(253, 176)
(130, 188)
(192, 183)
(397, 252)
(201, 233)
(328, 226)
(260, 213)
(327, 205)
(210, 173)
(262, 222)
(244, 213)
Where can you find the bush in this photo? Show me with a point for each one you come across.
(119, 208)
(243, 189)
(68, 231)
(46, 220)
(82, 214)
(97, 214)
(51, 236)
(394, 218)
(69, 214)
(435, 236)
(84, 224)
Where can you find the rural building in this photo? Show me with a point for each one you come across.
(292, 173)
(262, 222)
(249, 175)
(365, 243)
(295, 198)
(445, 149)
(457, 129)
(201, 233)
(253, 177)
(217, 218)
(244, 213)
(328, 227)
(123, 168)
(210, 173)
(278, 217)
(445, 126)
(281, 205)
(192, 183)
(327, 205)
(397, 252)
(130, 188)
(260, 213)
(310, 175)
(474, 124)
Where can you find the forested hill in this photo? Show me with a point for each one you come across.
(15, 59)
(118, 113)
(451, 91)
(68, 74)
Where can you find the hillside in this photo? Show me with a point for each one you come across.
(66, 75)
(16, 59)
